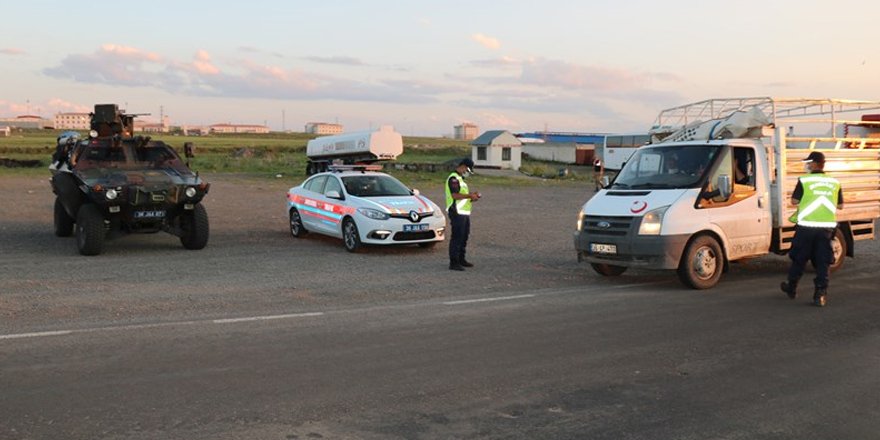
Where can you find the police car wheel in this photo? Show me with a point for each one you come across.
(608, 270)
(350, 236)
(296, 224)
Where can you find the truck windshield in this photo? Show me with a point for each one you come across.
(374, 185)
(662, 167)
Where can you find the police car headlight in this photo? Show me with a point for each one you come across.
(373, 214)
(190, 192)
(652, 221)
(111, 194)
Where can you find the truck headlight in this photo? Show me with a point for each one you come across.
(190, 192)
(374, 214)
(111, 194)
(652, 221)
(580, 222)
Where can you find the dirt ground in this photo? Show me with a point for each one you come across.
(521, 240)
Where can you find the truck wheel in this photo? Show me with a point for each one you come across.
(296, 225)
(838, 248)
(63, 221)
(195, 228)
(702, 264)
(350, 236)
(608, 270)
(90, 230)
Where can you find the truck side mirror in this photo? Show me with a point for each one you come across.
(725, 189)
(606, 181)
(188, 150)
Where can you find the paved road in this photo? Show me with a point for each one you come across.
(246, 339)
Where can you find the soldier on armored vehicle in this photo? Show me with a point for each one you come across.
(113, 183)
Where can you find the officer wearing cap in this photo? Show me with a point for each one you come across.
(818, 197)
(458, 207)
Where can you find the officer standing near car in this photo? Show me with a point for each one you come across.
(458, 207)
(817, 196)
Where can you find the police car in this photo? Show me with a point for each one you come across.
(363, 206)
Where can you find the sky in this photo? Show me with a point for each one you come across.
(425, 66)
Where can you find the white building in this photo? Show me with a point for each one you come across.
(465, 131)
(323, 128)
(497, 149)
(72, 121)
(239, 128)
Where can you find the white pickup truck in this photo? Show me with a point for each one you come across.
(715, 183)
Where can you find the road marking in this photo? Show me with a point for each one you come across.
(36, 334)
(265, 318)
(497, 298)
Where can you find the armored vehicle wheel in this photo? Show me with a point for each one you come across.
(350, 236)
(296, 224)
(702, 263)
(63, 221)
(608, 270)
(195, 228)
(90, 230)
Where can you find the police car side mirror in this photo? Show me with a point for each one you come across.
(334, 195)
(415, 192)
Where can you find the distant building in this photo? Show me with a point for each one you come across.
(497, 149)
(466, 131)
(323, 128)
(565, 147)
(4, 131)
(153, 127)
(27, 121)
(72, 121)
(239, 128)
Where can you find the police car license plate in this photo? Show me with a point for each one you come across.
(415, 228)
(599, 248)
(149, 214)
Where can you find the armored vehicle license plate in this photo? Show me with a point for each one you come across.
(415, 228)
(149, 214)
(599, 248)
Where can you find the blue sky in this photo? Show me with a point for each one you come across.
(426, 66)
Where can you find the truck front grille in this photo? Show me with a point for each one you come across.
(606, 225)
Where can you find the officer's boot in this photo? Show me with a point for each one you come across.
(790, 288)
(455, 265)
(819, 297)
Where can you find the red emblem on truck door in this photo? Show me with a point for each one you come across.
(638, 206)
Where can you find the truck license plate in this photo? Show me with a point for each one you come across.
(149, 214)
(599, 248)
(415, 228)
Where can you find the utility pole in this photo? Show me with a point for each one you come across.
(283, 122)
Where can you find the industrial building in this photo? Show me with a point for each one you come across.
(72, 121)
(465, 131)
(563, 147)
(322, 128)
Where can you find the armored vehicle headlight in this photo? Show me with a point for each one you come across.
(111, 194)
(190, 192)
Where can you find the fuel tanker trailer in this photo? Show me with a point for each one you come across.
(353, 148)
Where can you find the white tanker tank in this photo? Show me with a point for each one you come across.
(353, 148)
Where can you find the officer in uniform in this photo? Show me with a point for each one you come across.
(458, 208)
(817, 197)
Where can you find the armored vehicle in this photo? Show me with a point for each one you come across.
(114, 183)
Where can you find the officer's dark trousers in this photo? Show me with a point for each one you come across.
(461, 228)
(811, 244)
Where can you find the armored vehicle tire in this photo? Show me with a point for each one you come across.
(195, 228)
(90, 230)
(702, 263)
(63, 221)
(296, 225)
(608, 270)
(350, 236)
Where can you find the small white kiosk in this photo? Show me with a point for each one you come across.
(497, 149)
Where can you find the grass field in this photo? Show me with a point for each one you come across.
(267, 155)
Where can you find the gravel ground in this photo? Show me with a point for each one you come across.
(521, 240)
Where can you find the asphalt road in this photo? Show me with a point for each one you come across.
(263, 336)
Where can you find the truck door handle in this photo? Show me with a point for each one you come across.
(760, 201)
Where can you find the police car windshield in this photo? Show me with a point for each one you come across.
(664, 167)
(373, 185)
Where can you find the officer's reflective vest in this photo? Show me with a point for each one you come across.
(463, 206)
(818, 206)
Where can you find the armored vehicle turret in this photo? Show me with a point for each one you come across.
(114, 183)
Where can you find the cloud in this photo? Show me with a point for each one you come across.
(500, 62)
(346, 61)
(255, 50)
(11, 51)
(45, 109)
(486, 41)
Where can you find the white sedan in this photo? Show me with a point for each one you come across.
(364, 207)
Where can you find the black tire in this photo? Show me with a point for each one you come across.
(90, 230)
(838, 247)
(351, 238)
(195, 228)
(608, 270)
(428, 245)
(63, 221)
(702, 263)
(296, 225)
(310, 169)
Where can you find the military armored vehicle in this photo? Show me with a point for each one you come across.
(114, 183)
